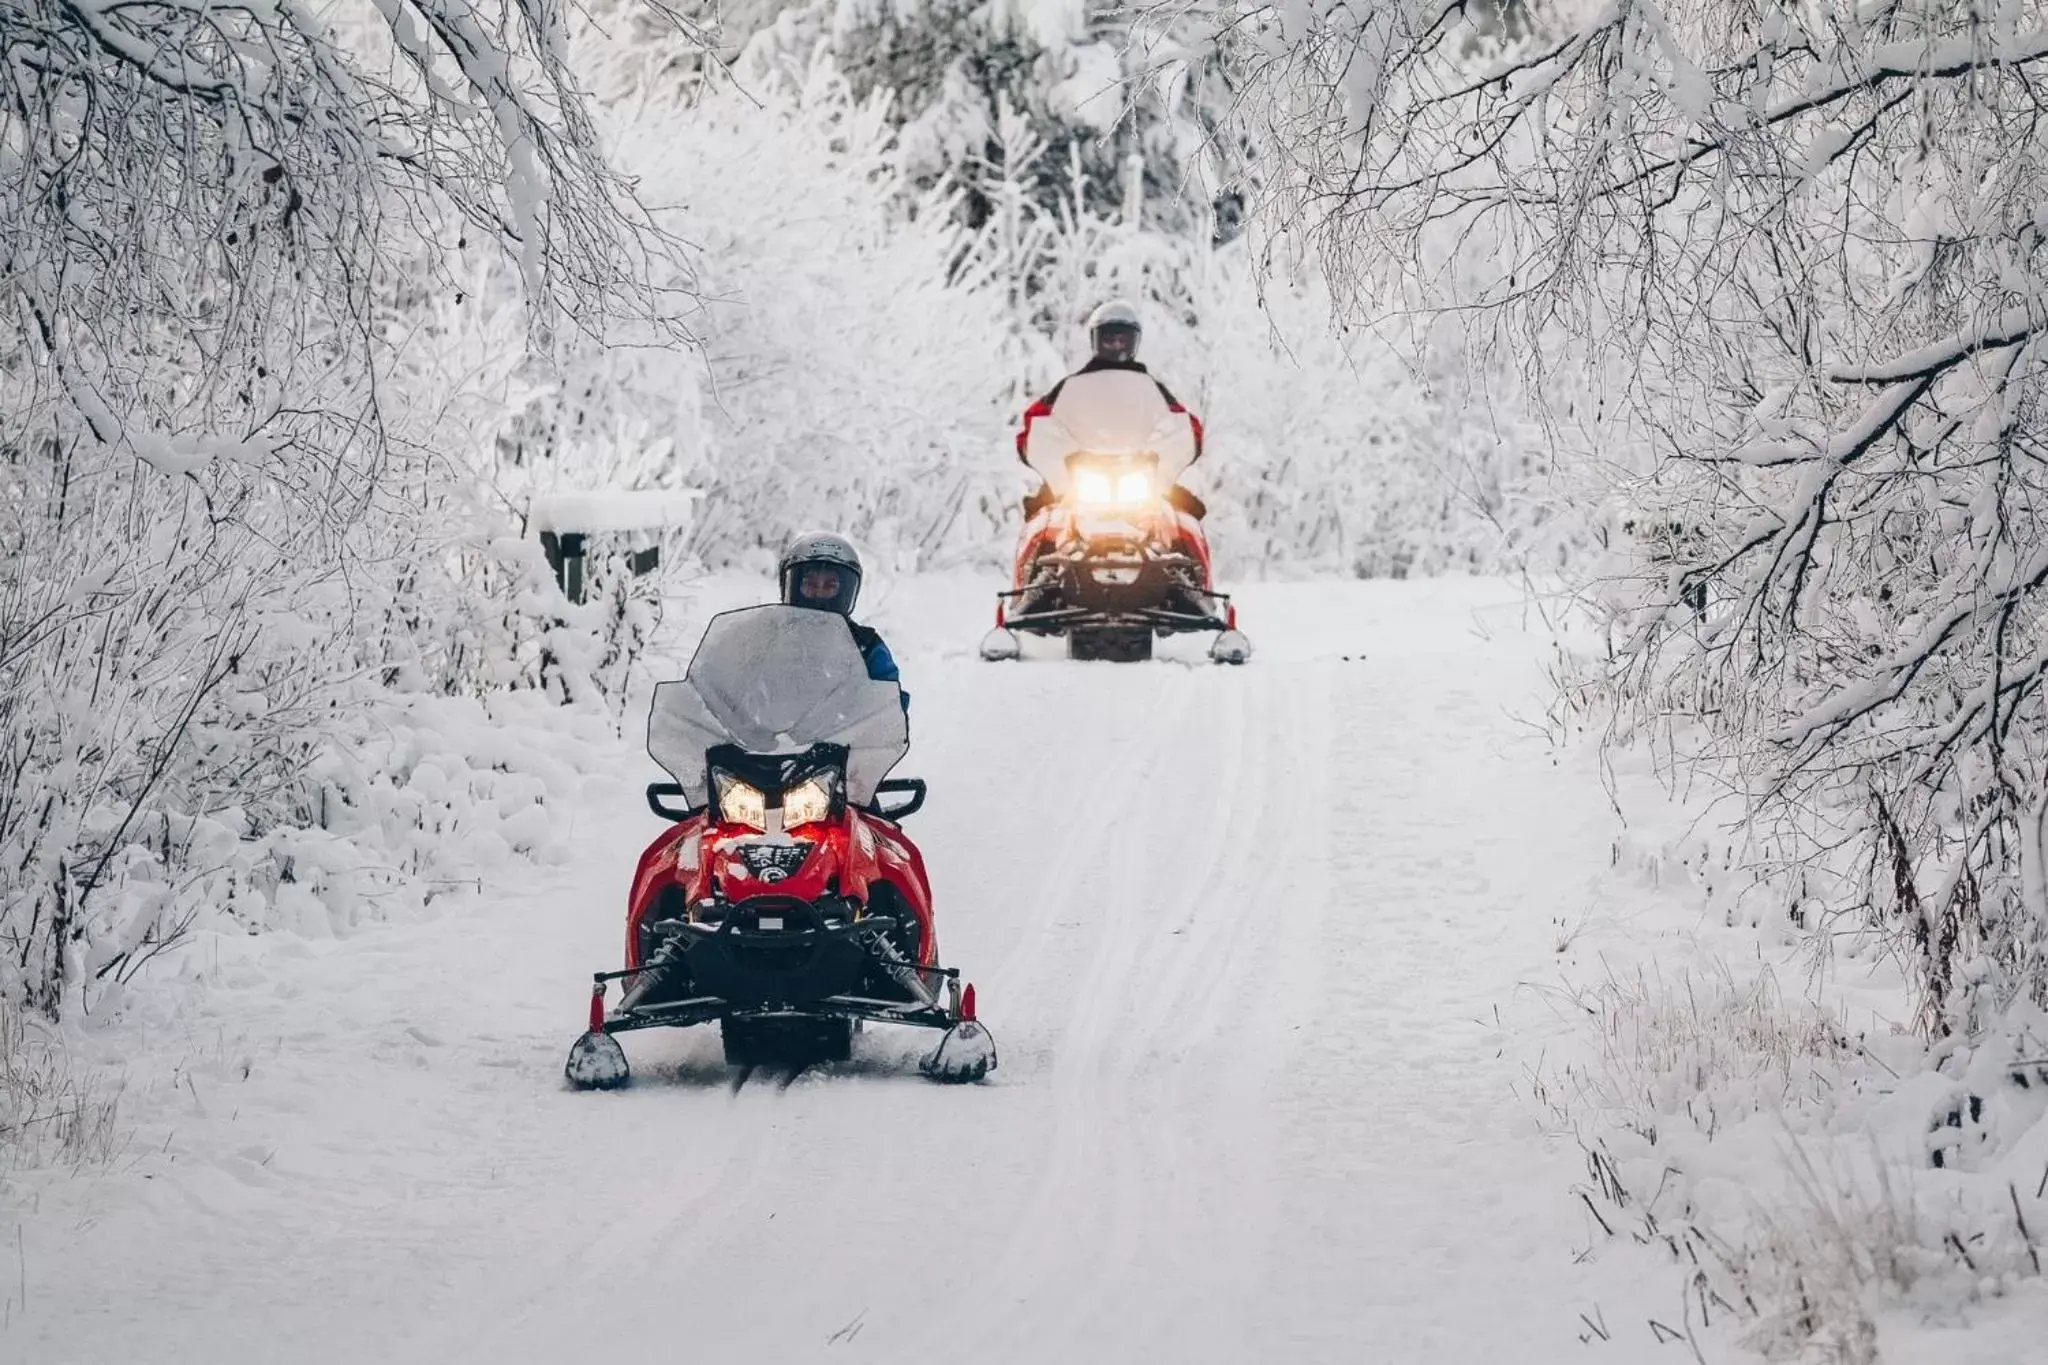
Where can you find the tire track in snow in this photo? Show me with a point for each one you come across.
(1089, 822)
(700, 1196)
(1071, 817)
(1155, 993)
(1286, 846)
(1191, 1190)
(1216, 918)
(1103, 873)
(1073, 1245)
(1259, 956)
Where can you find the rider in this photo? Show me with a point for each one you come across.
(1113, 334)
(822, 571)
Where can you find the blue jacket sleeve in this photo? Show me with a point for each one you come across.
(882, 668)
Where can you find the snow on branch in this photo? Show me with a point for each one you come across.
(2010, 328)
(202, 204)
(1892, 676)
(1878, 420)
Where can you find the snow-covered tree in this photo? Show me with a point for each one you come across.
(851, 375)
(1128, 120)
(1800, 251)
(217, 518)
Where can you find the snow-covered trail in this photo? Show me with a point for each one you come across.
(1255, 945)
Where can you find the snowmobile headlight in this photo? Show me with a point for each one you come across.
(740, 803)
(1093, 486)
(808, 802)
(1135, 486)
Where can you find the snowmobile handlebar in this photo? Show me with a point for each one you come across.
(657, 790)
(913, 785)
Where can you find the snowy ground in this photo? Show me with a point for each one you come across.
(1266, 951)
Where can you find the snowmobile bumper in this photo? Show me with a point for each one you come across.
(766, 989)
(1211, 613)
(771, 951)
(1115, 587)
(1109, 599)
(705, 1009)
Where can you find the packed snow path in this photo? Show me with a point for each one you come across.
(1265, 951)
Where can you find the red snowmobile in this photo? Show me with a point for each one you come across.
(1117, 554)
(786, 903)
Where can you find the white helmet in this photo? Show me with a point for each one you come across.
(820, 570)
(1113, 331)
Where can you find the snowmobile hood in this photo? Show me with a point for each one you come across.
(776, 680)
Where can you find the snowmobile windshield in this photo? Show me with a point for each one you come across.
(1109, 416)
(777, 680)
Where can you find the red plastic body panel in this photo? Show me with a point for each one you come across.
(856, 849)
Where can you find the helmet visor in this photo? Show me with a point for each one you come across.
(1116, 341)
(821, 586)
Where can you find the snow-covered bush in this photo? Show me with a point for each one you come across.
(180, 671)
(224, 537)
(1367, 452)
(857, 383)
(1823, 1180)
